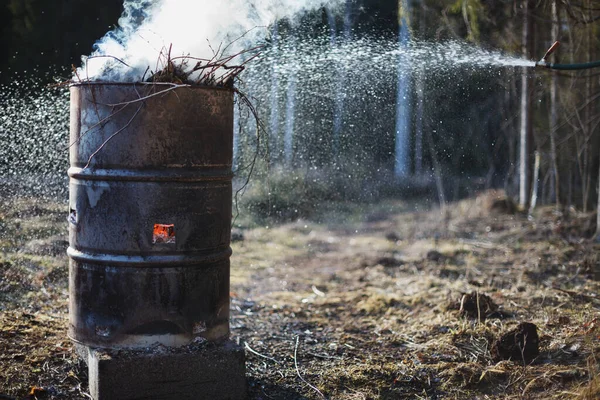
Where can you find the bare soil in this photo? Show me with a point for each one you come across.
(387, 303)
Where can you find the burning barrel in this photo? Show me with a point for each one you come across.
(150, 214)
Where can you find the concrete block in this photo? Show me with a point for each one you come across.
(209, 371)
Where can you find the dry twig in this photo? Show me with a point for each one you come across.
(298, 369)
(116, 133)
(173, 86)
(256, 353)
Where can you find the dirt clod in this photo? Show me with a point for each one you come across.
(390, 262)
(504, 205)
(520, 344)
(477, 305)
(435, 256)
(237, 235)
(392, 237)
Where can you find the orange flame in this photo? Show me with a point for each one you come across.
(164, 233)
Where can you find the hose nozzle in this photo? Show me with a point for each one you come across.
(551, 50)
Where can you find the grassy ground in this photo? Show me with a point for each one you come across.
(365, 305)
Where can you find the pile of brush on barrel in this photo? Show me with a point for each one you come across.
(206, 72)
(219, 71)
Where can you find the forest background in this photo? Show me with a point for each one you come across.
(533, 132)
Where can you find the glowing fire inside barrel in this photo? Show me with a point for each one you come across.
(150, 201)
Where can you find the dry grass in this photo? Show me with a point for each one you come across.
(374, 306)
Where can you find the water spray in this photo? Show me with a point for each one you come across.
(545, 64)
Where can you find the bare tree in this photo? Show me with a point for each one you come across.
(553, 109)
(597, 235)
(526, 129)
(420, 106)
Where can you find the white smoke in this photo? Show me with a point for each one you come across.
(188, 27)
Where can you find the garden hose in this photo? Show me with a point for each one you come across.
(545, 64)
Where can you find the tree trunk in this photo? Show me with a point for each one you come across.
(536, 182)
(420, 111)
(554, 109)
(510, 182)
(437, 171)
(273, 142)
(526, 126)
(598, 209)
(589, 111)
(290, 109)
(402, 161)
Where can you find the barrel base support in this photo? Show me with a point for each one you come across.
(208, 371)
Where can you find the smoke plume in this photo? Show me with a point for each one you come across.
(196, 28)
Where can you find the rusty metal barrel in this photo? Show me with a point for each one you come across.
(150, 214)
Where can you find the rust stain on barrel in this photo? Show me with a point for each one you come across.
(169, 166)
